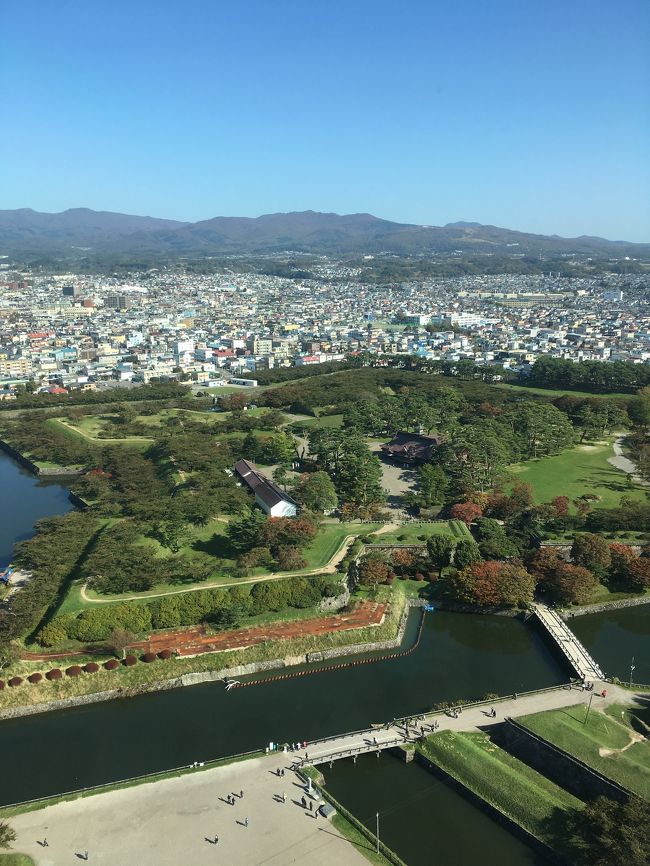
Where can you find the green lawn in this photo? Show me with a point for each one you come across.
(550, 392)
(12, 859)
(322, 421)
(517, 790)
(598, 744)
(209, 544)
(410, 532)
(579, 470)
(76, 430)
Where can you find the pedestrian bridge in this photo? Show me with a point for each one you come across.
(575, 653)
(470, 717)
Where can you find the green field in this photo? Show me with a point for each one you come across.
(550, 392)
(410, 533)
(603, 743)
(521, 793)
(11, 859)
(88, 428)
(210, 544)
(577, 471)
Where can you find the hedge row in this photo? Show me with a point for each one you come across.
(88, 668)
(222, 607)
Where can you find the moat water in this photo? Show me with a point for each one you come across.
(25, 499)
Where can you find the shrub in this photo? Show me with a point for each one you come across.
(91, 668)
(148, 657)
(2, 685)
(419, 575)
(35, 678)
(15, 681)
(54, 674)
(165, 654)
(432, 577)
(73, 671)
(129, 661)
(111, 664)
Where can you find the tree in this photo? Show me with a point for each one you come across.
(465, 511)
(541, 428)
(494, 584)
(172, 533)
(494, 542)
(570, 584)
(432, 485)
(373, 570)
(243, 534)
(637, 573)
(621, 555)
(7, 835)
(560, 505)
(440, 548)
(466, 553)
(119, 639)
(316, 492)
(592, 552)
(608, 833)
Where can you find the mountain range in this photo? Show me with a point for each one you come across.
(81, 232)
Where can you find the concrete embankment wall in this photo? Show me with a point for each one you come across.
(501, 818)
(559, 766)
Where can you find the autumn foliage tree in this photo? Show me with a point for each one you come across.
(637, 573)
(468, 512)
(373, 570)
(591, 551)
(494, 583)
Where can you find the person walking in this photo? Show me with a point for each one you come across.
(245, 822)
(216, 840)
(284, 797)
(241, 795)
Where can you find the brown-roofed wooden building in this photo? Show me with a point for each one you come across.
(411, 449)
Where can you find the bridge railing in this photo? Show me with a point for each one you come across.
(439, 712)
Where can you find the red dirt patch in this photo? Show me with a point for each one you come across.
(195, 641)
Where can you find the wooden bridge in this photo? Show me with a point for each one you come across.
(574, 652)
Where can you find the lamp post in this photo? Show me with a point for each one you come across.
(377, 832)
(632, 669)
(591, 697)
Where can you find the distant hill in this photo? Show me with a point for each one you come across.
(69, 233)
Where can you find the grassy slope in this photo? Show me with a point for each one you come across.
(512, 786)
(143, 675)
(551, 393)
(579, 470)
(565, 729)
(453, 528)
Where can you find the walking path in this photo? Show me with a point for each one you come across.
(473, 718)
(175, 821)
(328, 568)
(620, 461)
(577, 656)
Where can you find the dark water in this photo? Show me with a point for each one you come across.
(421, 818)
(614, 637)
(24, 499)
(459, 656)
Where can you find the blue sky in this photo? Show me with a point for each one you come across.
(532, 114)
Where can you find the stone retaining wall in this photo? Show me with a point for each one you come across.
(569, 612)
(562, 768)
(46, 472)
(500, 817)
(191, 679)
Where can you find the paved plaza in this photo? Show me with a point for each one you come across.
(174, 822)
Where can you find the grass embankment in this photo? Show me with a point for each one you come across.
(66, 427)
(209, 545)
(410, 533)
(514, 788)
(578, 471)
(13, 859)
(604, 743)
(141, 677)
(555, 392)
